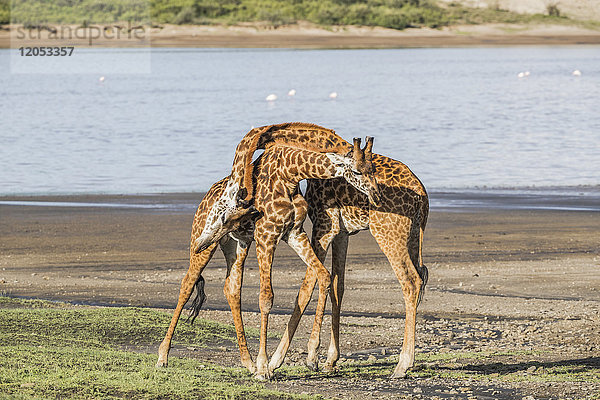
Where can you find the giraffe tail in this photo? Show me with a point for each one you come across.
(422, 269)
(424, 274)
(198, 300)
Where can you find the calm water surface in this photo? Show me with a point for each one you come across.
(460, 118)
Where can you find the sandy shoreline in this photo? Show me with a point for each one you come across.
(143, 233)
(309, 36)
(577, 198)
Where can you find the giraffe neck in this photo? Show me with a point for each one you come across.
(298, 164)
(289, 164)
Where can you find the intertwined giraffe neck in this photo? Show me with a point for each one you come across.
(285, 166)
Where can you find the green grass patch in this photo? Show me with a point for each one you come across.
(395, 14)
(47, 324)
(51, 351)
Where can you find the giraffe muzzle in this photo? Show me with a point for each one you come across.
(202, 244)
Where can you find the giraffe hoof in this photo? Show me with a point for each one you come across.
(266, 376)
(312, 365)
(251, 367)
(398, 375)
(161, 364)
(329, 368)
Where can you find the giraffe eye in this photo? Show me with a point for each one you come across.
(356, 172)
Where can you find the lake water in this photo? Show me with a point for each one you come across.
(460, 118)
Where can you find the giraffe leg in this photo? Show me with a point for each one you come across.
(399, 240)
(298, 240)
(308, 284)
(411, 286)
(302, 300)
(339, 249)
(197, 264)
(265, 249)
(235, 253)
(326, 228)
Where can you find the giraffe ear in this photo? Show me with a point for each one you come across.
(336, 159)
(240, 198)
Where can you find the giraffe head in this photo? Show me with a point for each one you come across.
(356, 168)
(224, 216)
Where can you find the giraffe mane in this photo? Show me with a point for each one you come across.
(314, 149)
(267, 136)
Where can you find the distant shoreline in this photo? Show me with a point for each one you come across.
(342, 37)
(585, 199)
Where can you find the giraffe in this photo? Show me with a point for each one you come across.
(235, 249)
(281, 212)
(237, 196)
(397, 224)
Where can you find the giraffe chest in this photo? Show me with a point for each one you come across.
(244, 232)
(354, 219)
(275, 199)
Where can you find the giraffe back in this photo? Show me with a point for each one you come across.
(298, 134)
(402, 194)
